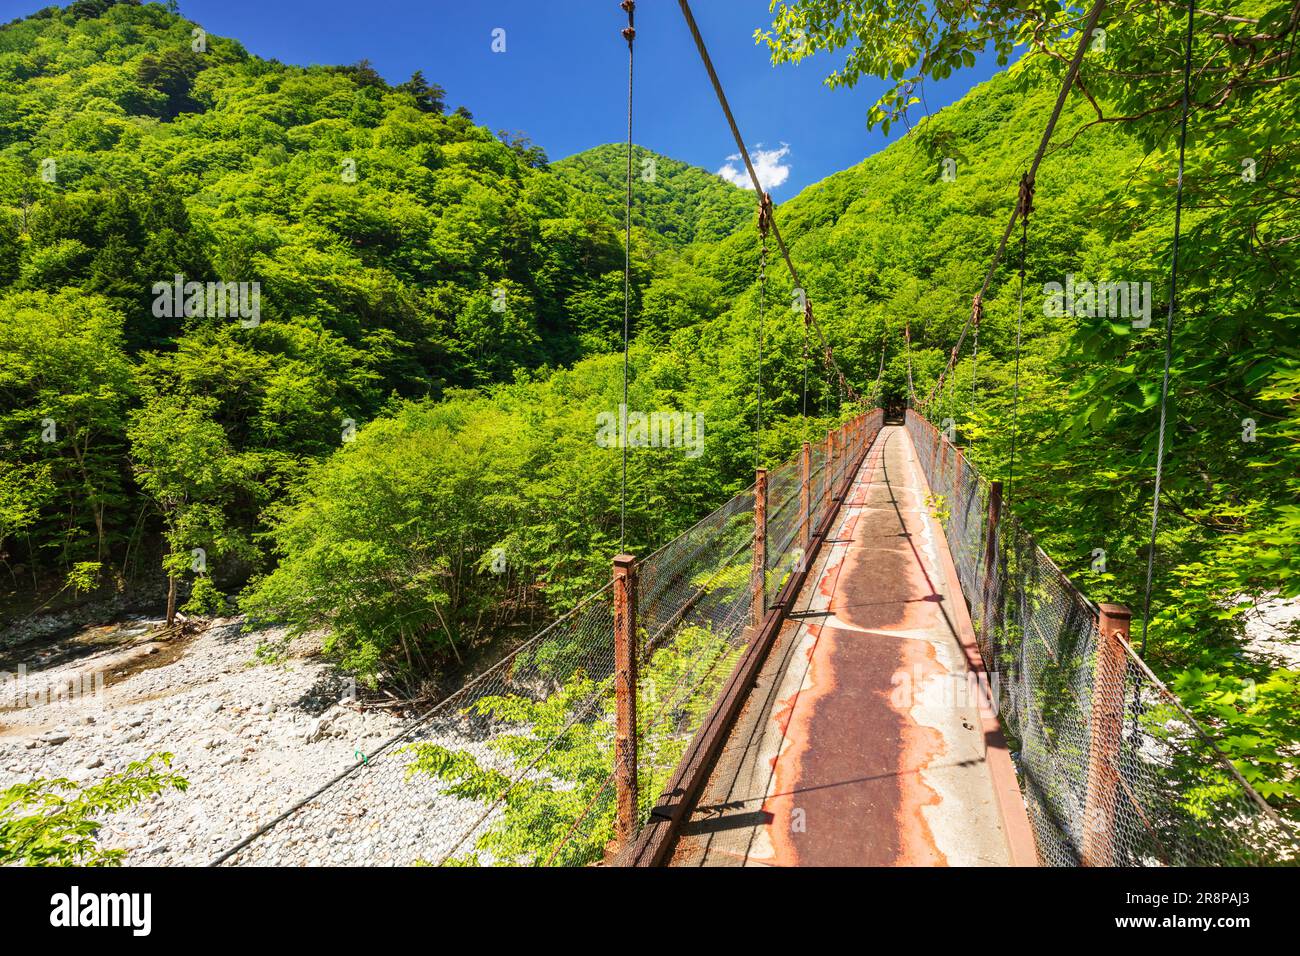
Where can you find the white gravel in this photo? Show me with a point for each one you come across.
(1273, 631)
(251, 739)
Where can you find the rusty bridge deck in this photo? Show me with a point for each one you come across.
(868, 739)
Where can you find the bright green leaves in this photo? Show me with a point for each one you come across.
(556, 795)
(56, 822)
(1257, 719)
(65, 386)
(183, 462)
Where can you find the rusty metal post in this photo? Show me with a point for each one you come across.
(832, 470)
(990, 556)
(805, 532)
(758, 580)
(625, 681)
(1106, 728)
(995, 516)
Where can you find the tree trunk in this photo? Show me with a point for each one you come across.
(171, 599)
(99, 532)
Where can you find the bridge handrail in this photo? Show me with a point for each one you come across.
(517, 765)
(1113, 768)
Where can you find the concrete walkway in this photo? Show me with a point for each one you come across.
(866, 741)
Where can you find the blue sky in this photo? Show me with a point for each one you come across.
(562, 79)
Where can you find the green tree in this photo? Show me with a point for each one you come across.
(184, 463)
(54, 822)
(65, 386)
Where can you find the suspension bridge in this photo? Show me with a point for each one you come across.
(864, 658)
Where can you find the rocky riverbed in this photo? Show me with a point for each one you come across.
(251, 738)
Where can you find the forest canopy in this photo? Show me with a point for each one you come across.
(428, 316)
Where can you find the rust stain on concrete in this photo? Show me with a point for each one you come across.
(861, 793)
(920, 746)
(857, 768)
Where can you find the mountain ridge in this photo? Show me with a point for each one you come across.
(675, 200)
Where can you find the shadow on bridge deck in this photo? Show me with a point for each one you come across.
(864, 741)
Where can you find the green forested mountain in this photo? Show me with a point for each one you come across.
(398, 250)
(671, 200)
(437, 337)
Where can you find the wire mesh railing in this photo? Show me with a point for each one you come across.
(518, 766)
(1113, 770)
(785, 515)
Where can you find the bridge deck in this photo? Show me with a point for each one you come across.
(862, 742)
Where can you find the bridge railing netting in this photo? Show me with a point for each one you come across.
(517, 767)
(1170, 796)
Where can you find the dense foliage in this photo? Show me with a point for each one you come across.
(56, 822)
(672, 201)
(402, 449)
(398, 252)
(1090, 384)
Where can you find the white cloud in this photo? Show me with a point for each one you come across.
(767, 164)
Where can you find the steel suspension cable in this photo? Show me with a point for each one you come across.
(974, 382)
(1169, 321)
(804, 410)
(764, 221)
(1024, 206)
(1085, 38)
(753, 174)
(629, 34)
(907, 340)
